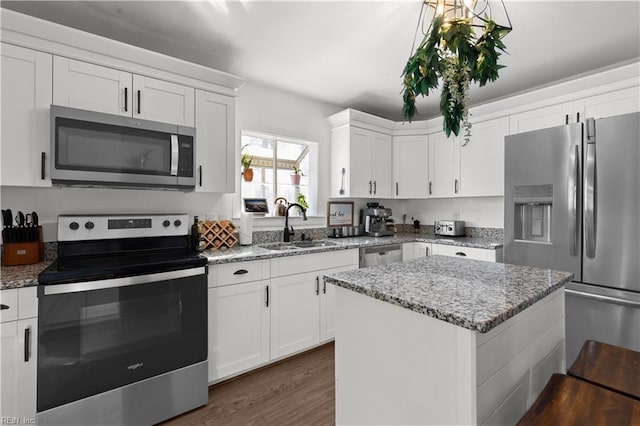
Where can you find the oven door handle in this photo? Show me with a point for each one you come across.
(122, 282)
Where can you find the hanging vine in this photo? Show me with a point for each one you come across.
(450, 52)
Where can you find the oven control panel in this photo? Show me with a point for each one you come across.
(101, 227)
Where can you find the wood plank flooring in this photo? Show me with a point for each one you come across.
(297, 391)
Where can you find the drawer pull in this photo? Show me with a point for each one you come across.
(241, 272)
(3, 307)
(460, 253)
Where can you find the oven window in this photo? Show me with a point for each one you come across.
(94, 341)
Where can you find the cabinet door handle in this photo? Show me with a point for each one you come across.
(566, 119)
(200, 175)
(241, 272)
(3, 307)
(126, 99)
(138, 102)
(375, 187)
(455, 185)
(461, 253)
(266, 290)
(317, 285)
(426, 249)
(429, 187)
(27, 344)
(369, 187)
(577, 117)
(324, 286)
(396, 188)
(43, 160)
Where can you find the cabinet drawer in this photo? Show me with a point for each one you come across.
(9, 302)
(238, 272)
(466, 252)
(281, 266)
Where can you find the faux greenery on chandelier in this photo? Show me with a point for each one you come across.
(451, 53)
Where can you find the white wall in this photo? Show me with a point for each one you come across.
(486, 212)
(258, 108)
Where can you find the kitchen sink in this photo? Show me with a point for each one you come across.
(313, 244)
(296, 245)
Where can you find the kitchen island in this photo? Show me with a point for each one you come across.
(442, 340)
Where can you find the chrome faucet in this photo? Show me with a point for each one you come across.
(288, 233)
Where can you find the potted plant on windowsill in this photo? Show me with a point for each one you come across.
(246, 160)
(295, 176)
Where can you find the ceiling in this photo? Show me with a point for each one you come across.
(351, 53)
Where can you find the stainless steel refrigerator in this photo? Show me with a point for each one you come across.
(572, 203)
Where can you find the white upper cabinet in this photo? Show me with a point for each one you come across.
(26, 97)
(482, 159)
(365, 156)
(541, 118)
(215, 142)
(442, 174)
(609, 104)
(410, 166)
(82, 85)
(381, 165)
(471, 166)
(162, 101)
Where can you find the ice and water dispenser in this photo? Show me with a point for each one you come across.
(532, 209)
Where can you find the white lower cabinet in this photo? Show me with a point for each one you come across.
(422, 249)
(416, 250)
(239, 328)
(18, 353)
(260, 311)
(295, 319)
(468, 252)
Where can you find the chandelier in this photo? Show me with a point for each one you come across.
(451, 53)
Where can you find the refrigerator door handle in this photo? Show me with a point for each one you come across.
(601, 298)
(590, 192)
(573, 201)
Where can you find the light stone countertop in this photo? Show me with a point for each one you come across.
(26, 275)
(256, 252)
(472, 294)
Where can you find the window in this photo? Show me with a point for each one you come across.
(274, 160)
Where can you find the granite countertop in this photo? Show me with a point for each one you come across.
(472, 294)
(25, 275)
(21, 275)
(258, 251)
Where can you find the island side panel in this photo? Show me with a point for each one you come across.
(517, 358)
(396, 366)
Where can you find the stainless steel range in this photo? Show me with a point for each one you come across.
(122, 322)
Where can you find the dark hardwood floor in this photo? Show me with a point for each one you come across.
(297, 391)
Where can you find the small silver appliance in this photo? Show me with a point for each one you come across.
(375, 220)
(450, 228)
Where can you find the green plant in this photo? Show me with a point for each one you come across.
(297, 171)
(302, 200)
(451, 52)
(245, 159)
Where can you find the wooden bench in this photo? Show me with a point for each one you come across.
(566, 401)
(612, 367)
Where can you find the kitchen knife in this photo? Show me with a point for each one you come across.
(20, 219)
(34, 223)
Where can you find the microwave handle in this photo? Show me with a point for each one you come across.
(174, 155)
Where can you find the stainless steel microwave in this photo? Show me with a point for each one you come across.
(96, 149)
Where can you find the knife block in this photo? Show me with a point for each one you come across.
(23, 253)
